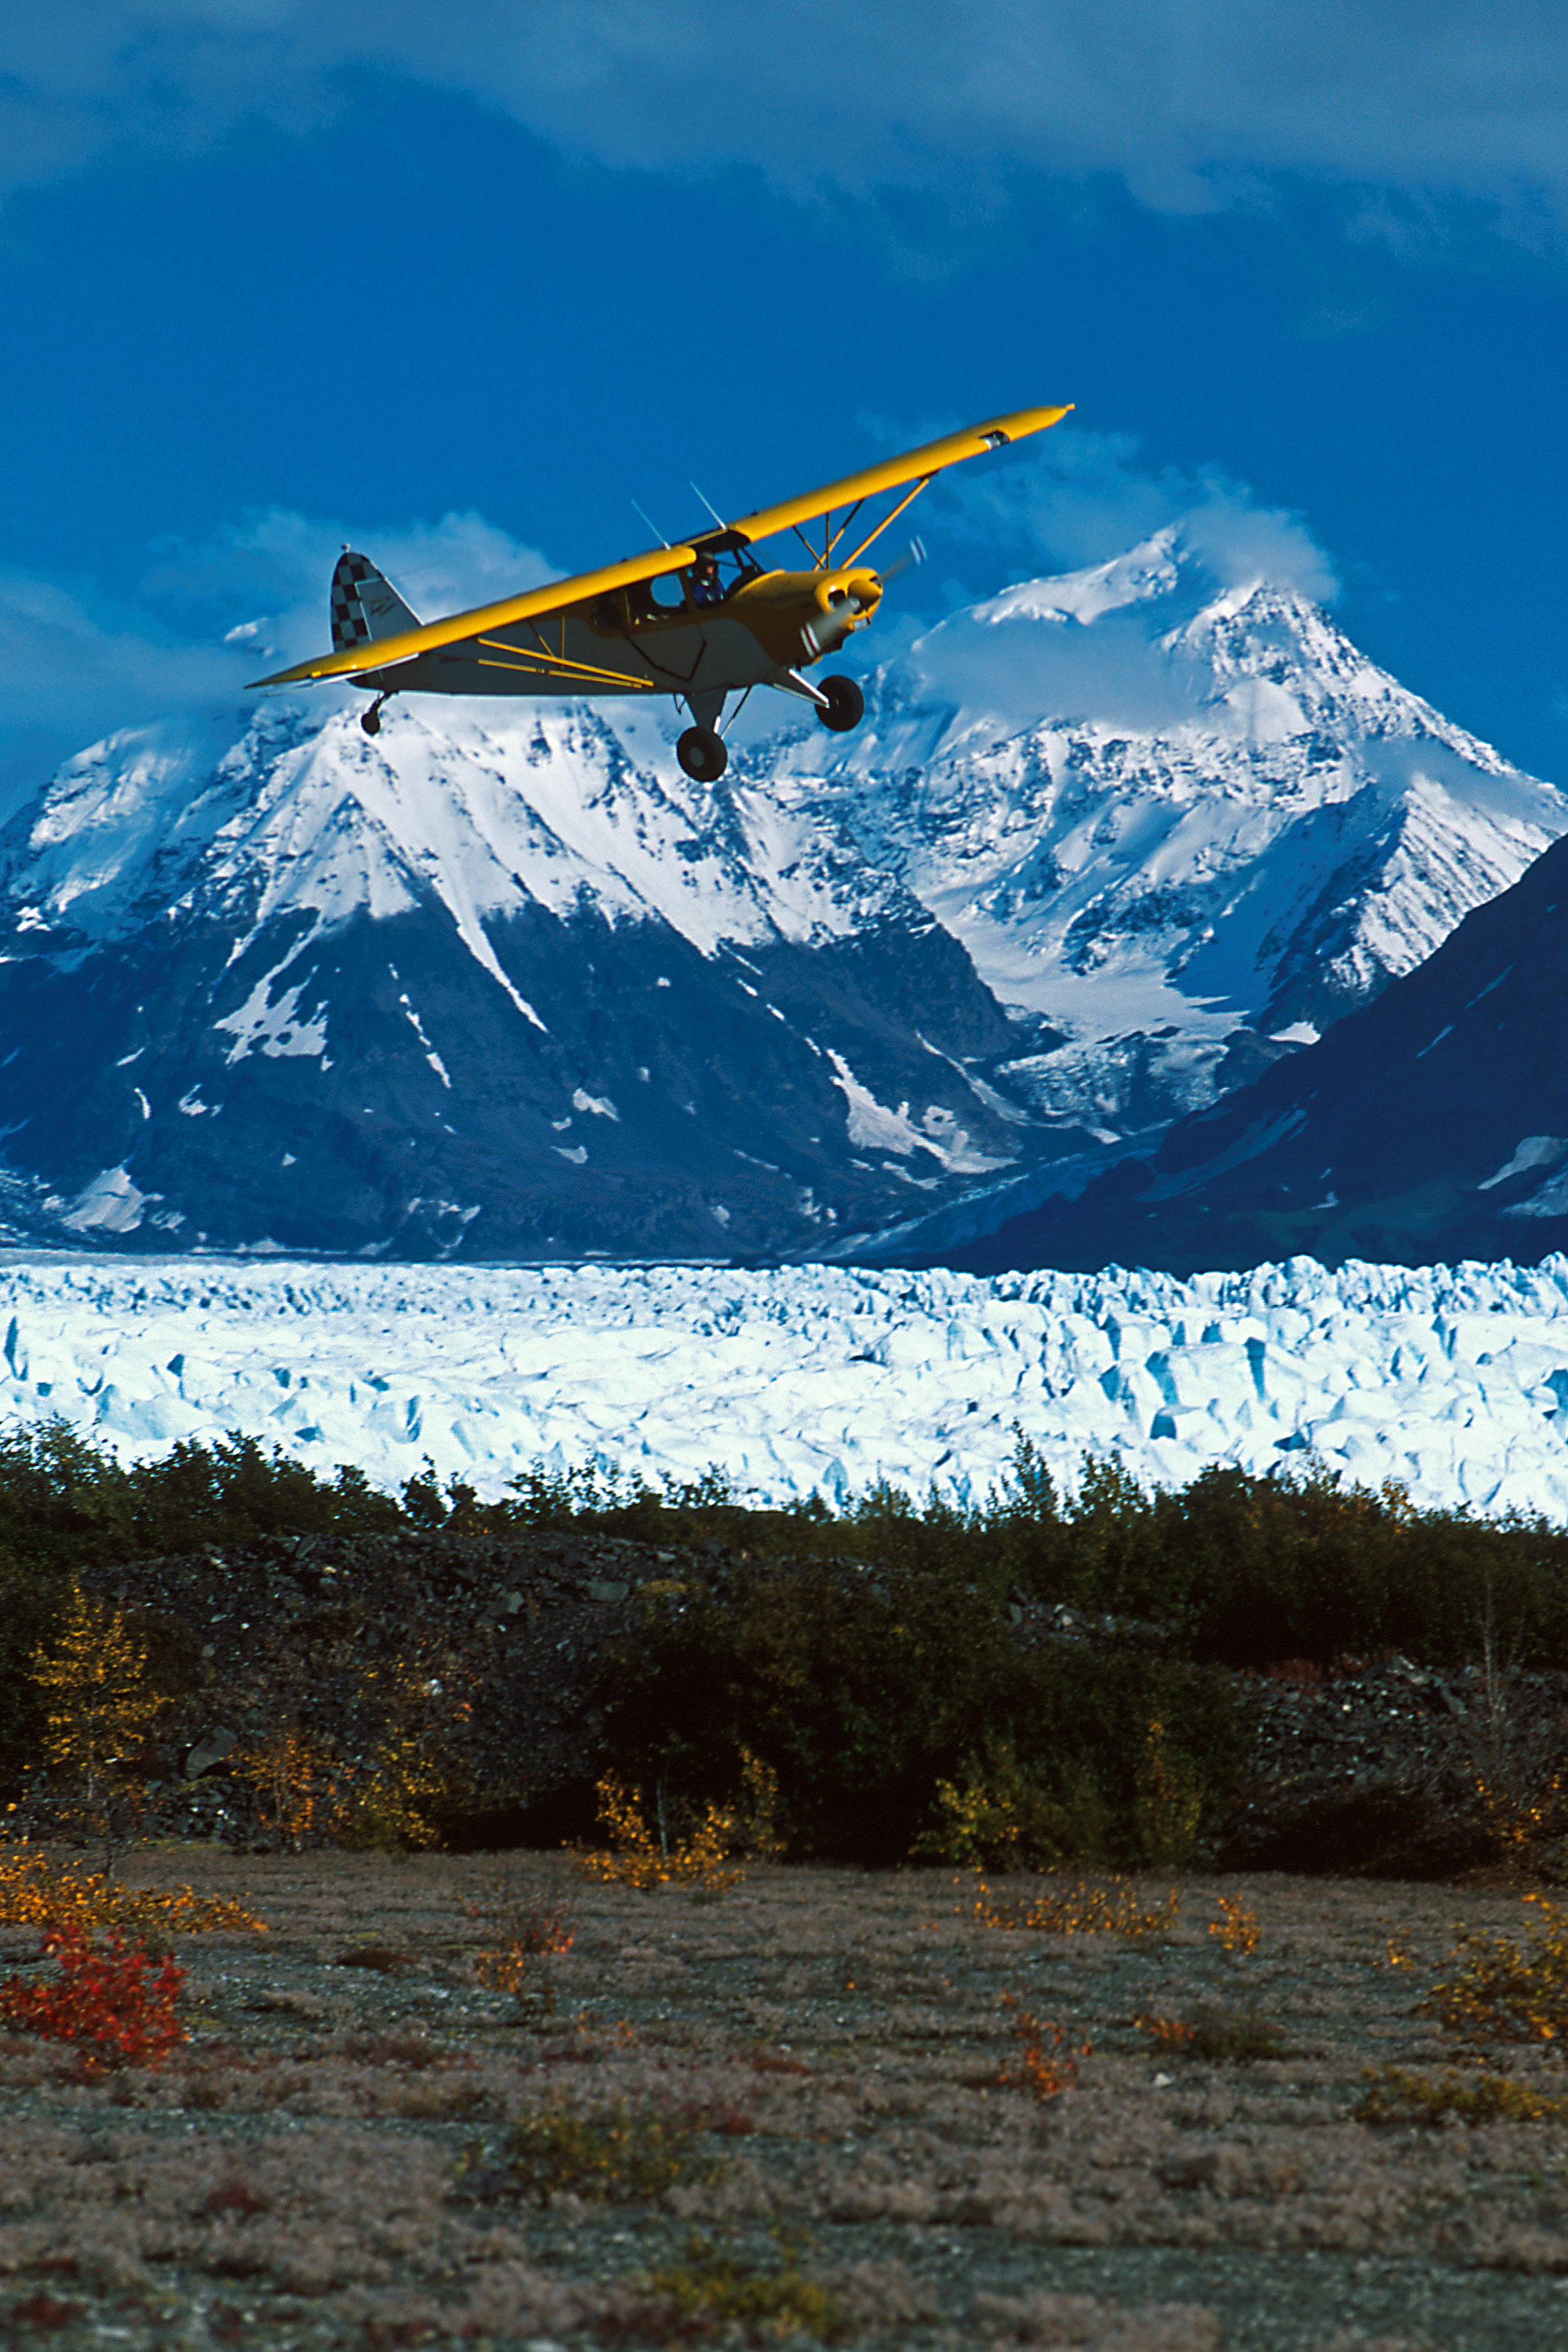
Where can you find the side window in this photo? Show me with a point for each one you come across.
(668, 593)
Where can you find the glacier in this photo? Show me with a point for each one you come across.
(1451, 1381)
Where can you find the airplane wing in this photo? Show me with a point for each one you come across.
(539, 603)
(913, 466)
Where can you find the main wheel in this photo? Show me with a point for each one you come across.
(846, 705)
(370, 720)
(703, 755)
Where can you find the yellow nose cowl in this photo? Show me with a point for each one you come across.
(851, 596)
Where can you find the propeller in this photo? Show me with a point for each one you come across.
(912, 554)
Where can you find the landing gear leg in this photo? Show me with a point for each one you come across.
(702, 750)
(370, 720)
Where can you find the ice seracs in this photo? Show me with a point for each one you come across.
(1452, 1382)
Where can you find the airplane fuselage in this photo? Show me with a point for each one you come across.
(655, 638)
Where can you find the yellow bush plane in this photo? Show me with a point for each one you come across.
(701, 620)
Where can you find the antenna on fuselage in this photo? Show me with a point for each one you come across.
(653, 527)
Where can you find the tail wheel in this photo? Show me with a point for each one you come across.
(703, 754)
(846, 704)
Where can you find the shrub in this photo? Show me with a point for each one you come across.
(411, 1781)
(1048, 2064)
(899, 1710)
(107, 1998)
(1506, 1991)
(1399, 2097)
(1002, 1816)
(300, 1784)
(36, 1892)
(515, 1959)
(616, 2155)
(1080, 1908)
(1236, 1929)
(637, 1858)
(711, 2287)
(1216, 2036)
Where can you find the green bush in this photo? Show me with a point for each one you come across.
(864, 1690)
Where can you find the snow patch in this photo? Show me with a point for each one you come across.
(274, 1029)
(875, 1126)
(1535, 1151)
(111, 1204)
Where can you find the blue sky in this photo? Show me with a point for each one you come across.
(460, 283)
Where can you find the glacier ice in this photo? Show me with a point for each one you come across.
(1452, 1380)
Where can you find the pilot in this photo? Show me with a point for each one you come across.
(707, 588)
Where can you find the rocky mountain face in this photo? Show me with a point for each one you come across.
(1188, 824)
(1432, 1124)
(506, 983)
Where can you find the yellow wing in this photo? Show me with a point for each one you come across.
(540, 603)
(914, 466)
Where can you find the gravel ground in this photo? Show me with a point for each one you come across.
(322, 2165)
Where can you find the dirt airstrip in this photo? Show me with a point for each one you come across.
(846, 2059)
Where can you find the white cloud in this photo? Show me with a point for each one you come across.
(1187, 99)
(274, 573)
(1075, 497)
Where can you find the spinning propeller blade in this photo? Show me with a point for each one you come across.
(912, 554)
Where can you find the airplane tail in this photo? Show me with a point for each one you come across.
(364, 605)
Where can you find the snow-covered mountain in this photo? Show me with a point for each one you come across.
(515, 989)
(508, 983)
(1178, 819)
(1433, 1123)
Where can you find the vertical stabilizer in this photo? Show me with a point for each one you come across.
(365, 605)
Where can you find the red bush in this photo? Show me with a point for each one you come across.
(110, 1999)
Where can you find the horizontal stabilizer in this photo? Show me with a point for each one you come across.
(365, 605)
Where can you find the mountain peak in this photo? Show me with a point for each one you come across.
(1160, 809)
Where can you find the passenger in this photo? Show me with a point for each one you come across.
(707, 588)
